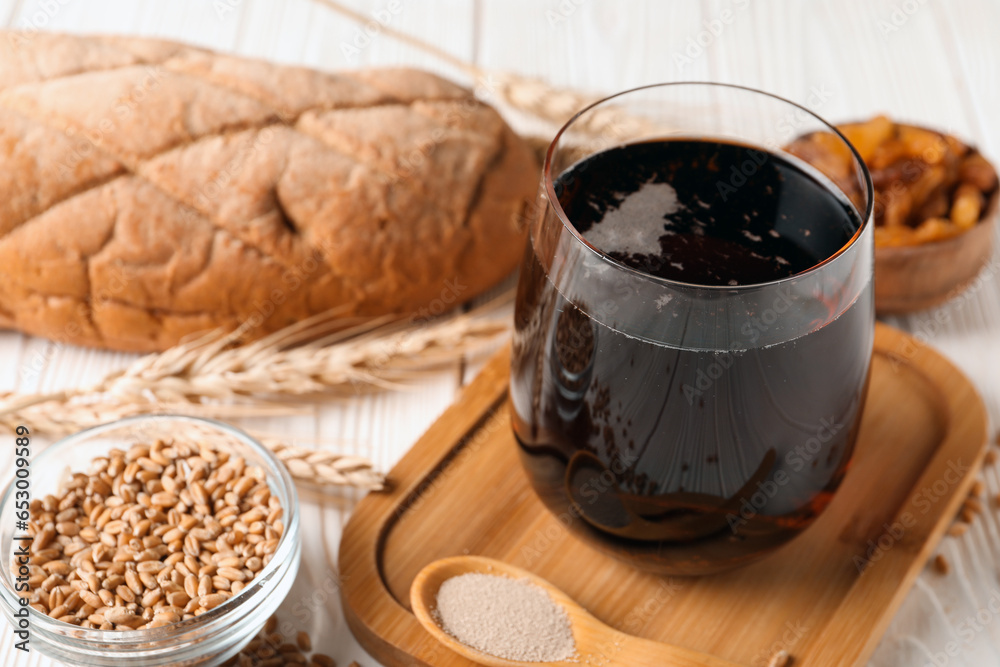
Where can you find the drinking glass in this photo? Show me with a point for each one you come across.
(689, 428)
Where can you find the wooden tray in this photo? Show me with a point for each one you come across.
(826, 598)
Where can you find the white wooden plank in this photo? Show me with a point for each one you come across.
(938, 66)
(740, 27)
(339, 42)
(11, 350)
(191, 21)
(8, 10)
(598, 46)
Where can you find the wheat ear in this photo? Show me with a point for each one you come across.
(320, 467)
(534, 96)
(213, 377)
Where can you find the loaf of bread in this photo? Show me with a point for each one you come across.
(152, 190)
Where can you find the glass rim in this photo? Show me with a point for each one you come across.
(236, 607)
(549, 189)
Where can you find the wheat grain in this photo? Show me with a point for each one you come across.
(780, 659)
(141, 586)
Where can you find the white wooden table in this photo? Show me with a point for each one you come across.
(918, 60)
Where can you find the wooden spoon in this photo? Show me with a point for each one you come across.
(596, 643)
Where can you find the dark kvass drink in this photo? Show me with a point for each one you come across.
(699, 457)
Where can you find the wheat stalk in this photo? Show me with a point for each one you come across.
(214, 377)
(320, 467)
(528, 94)
(63, 418)
(307, 465)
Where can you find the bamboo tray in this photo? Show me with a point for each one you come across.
(826, 598)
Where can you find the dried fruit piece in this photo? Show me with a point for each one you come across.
(934, 229)
(929, 186)
(922, 144)
(958, 529)
(975, 169)
(966, 207)
(866, 137)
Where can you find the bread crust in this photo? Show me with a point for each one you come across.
(154, 190)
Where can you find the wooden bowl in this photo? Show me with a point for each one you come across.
(910, 278)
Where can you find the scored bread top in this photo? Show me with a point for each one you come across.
(153, 190)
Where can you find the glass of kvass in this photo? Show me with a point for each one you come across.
(694, 325)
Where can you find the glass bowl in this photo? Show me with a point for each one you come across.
(207, 640)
